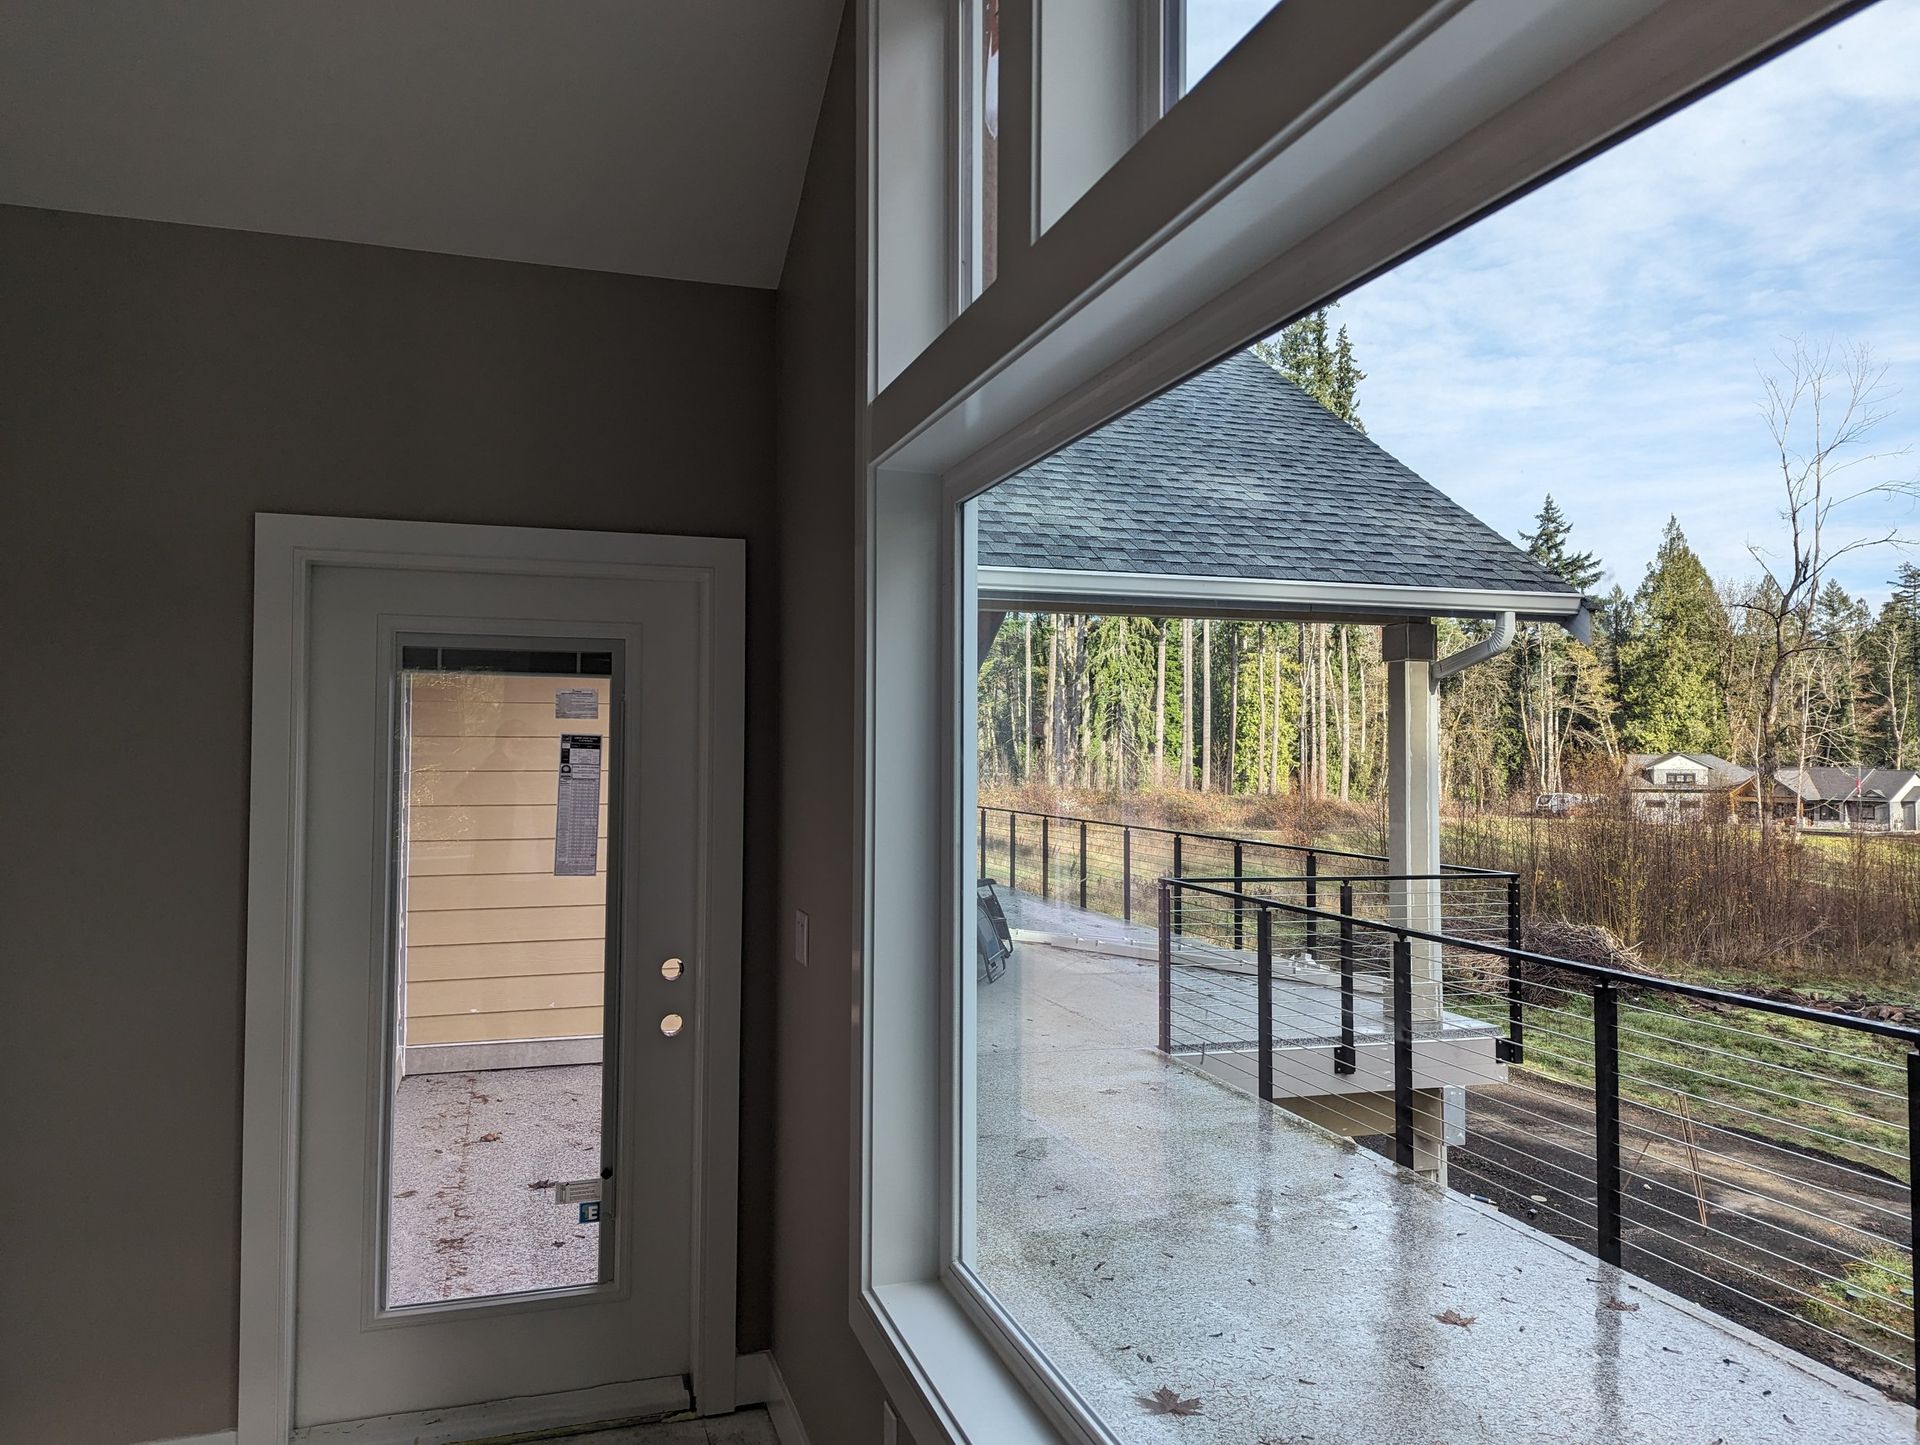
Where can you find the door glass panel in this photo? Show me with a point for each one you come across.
(501, 937)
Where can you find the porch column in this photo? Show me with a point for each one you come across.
(1413, 798)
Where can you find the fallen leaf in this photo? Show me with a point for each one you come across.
(1621, 1305)
(1167, 1401)
(1454, 1317)
(493, 1138)
(541, 1184)
(406, 1194)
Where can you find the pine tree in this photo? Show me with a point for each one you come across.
(1548, 685)
(1548, 544)
(1672, 693)
(1320, 364)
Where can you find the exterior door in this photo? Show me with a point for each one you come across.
(504, 782)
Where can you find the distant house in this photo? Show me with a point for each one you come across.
(1854, 797)
(1673, 786)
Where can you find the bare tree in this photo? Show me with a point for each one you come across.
(1026, 701)
(1186, 702)
(1820, 407)
(1206, 705)
(1160, 707)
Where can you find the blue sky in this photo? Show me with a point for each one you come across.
(1603, 338)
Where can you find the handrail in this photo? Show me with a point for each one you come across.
(1193, 833)
(1598, 971)
(1464, 872)
(1449, 869)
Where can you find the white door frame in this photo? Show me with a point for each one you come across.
(286, 551)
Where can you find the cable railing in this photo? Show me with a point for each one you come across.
(1101, 866)
(1751, 1154)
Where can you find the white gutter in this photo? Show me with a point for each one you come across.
(1492, 645)
(1051, 589)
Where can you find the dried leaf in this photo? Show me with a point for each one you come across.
(1167, 1401)
(493, 1138)
(1621, 1305)
(1454, 1317)
(406, 1194)
(541, 1184)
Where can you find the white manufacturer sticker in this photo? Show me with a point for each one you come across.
(576, 702)
(576, 823)
(578, 1191)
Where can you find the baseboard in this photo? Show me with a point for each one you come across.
(601, 1407)
(757, 1381)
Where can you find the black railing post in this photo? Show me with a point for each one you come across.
(1239, 871)
(1126, 875)
(1513, 1048)
(1606, 1116)
(983, 842)
(1344, 1059)
(1179, 914)
(1313, 901)
(1046, 856)
(1083, 865)
(1263, 941)
(1403, 1051)
(1913, 1182)
(1013, 850)
(1166, 967)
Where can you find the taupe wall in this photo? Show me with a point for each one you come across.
(820, 787)
(159, 385)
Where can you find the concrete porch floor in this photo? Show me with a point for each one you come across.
(469, 1152)
(1152, 1228)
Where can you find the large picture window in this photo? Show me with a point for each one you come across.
(1219, 982)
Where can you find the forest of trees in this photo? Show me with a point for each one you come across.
(1779, 669)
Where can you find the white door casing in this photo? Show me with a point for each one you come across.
(331, 597)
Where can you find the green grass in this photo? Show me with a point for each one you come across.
(1805, 1085)
(1872, 1304)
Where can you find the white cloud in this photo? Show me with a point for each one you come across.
(1602, 338)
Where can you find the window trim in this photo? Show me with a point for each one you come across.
(1038, 361)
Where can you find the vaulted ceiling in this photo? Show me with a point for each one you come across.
(654, 137)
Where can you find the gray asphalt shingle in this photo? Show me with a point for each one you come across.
(1238, 473)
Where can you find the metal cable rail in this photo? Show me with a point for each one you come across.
(1111, 846)
(1779, 1115)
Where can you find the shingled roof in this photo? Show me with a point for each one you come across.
(1238, 473)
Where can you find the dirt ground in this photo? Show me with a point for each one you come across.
(1776, 1226)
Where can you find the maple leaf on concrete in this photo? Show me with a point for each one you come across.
(1167, 1401)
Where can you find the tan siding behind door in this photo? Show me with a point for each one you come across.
(498, 949)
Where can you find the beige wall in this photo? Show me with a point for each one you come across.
(820, 788)
(497, 947)
(158, 386)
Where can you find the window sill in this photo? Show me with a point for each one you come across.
(956, 1388)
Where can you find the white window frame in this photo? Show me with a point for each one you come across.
(1290, 176)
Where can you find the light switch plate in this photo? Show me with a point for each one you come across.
(800, 937)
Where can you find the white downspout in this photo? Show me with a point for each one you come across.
(1492, 645)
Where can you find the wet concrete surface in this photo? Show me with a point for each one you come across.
(1154, 1230)
(474, 1157)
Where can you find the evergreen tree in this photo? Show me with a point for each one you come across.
(1320, 363)
(1672, 695)
(1548, 544)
